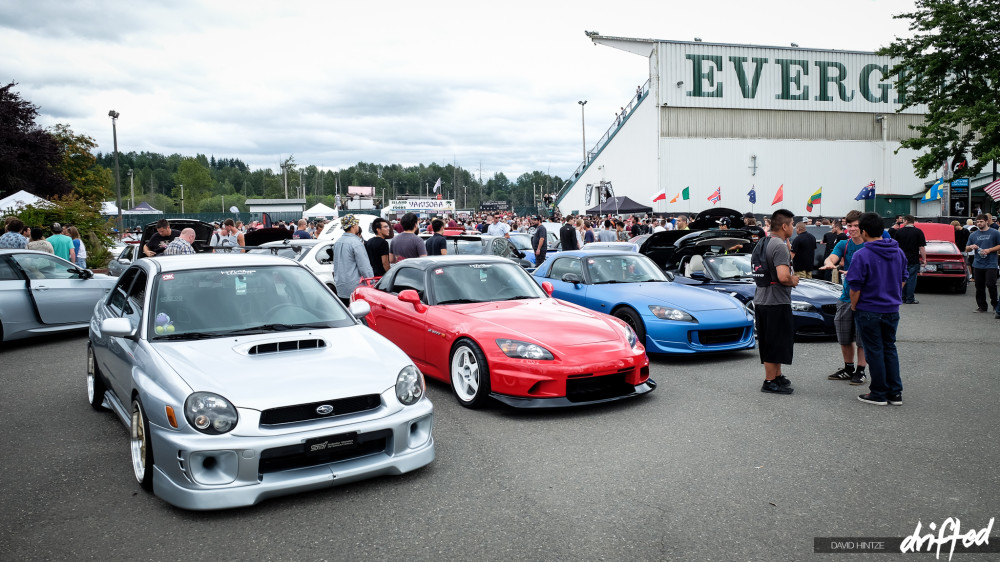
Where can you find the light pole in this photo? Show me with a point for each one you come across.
(118, 187)
(182, 198)
(583, 126)
(131, 183)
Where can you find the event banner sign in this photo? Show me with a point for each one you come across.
(494, 206)
(422, 205)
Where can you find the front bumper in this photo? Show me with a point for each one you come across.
(563, 402)
(403, 442)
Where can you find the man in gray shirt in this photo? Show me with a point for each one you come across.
(607, 234)
(772, 265)
(407, 244)
(350, 259)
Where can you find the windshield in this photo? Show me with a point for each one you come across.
(469, 247)
(290, 252)
(521, 242)
(935, 247)
(728, 267)
(224, 302)
(623, 268)
(482, 282)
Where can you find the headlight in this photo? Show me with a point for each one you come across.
(630, 334)
(409, 385)
(750, 311)
(803, 306)
(210, 413)
(665, 313)
(524, 350)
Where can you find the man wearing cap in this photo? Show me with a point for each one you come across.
(350, 259)
(539, 240)
(62, 245)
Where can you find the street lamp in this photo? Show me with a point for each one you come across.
(583, 126)
(131, 188)
(118, 188)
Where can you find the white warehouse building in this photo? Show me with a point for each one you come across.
(735, 117)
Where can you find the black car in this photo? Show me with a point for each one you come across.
(483, 245)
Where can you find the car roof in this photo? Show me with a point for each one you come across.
(203, 261)
(291, 242)
(428, 262)
(595, 252)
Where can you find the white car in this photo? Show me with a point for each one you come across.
(316, 255)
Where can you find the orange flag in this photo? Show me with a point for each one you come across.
(674, 200)
(780, 195)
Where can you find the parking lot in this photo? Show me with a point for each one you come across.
(704, 468)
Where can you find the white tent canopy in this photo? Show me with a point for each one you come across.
(320, 210)
(21, 199)
(109, 208)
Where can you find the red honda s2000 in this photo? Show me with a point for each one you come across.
(482, 324)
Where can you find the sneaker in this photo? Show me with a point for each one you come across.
(911, 302)
(895, 399)
(782, 380)
(841, 375)
(859, 378)
(982, 310)
(867, 399)
(774, 387)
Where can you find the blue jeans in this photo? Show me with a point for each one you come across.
(877, 335)
(911, 282)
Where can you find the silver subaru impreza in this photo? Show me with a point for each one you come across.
(242, 377)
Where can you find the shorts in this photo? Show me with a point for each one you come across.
(804, 274)
(775, 333)
(843, 320)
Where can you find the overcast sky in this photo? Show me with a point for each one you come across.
(493, 84)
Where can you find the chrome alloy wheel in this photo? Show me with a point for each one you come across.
(90, 375)
(138, 441)
(465, 374)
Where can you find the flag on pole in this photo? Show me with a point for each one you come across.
(437, 184)
(814, 199)
(867, 192)
(934, 193)
(753, 195)
(993, 190)
(780, 195)
(674, 200)
(686, 193)
(716, 195)
(659, 195)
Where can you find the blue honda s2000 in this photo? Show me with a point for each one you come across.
(668, 317)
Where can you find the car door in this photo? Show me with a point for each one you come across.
(107, 349)
(398, 320)
(17, 313)
(124, 349)
(60, 295)
(570, 292)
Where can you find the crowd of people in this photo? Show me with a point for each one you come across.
(63, 242)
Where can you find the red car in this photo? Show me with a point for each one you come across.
(945, 263)
(482, 324)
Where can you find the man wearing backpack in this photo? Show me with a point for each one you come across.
(772, 266)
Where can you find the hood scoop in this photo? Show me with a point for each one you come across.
(283, 346)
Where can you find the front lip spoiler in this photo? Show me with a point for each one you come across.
(563, 402)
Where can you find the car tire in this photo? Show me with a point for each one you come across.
(470, 375)
(95, 382)
(961, 287)
(631, 317)
(141, 446)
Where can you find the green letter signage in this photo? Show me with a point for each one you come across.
(787, 79)
(866, 87)
(701, 74)
(825, 79)
(749, 90)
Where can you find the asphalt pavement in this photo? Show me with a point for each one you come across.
(704, 468)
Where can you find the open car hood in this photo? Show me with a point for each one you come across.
(202, 232)
(709, 218)
(669, 247)
(264, 235)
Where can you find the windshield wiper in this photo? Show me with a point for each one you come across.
(458, 301)
(264, 328)
(608, 282)
(192, 336)
(743, 276)
(520, 297)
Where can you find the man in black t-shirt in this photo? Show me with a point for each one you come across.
(539, 240)
(436, 245)
(803, 252)
(377, 247)
(567, 237)
(913, 243)
(159, 240)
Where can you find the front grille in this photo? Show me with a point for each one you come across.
(306, 412)
(716, 337)
(294, 456)
(830, 309)
(599, 388)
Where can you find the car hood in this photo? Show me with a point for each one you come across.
(676, 296)
(202, 231)
(355, 361)
(817, 290)
(547, 321)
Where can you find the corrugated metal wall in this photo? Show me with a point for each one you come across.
(698, 122)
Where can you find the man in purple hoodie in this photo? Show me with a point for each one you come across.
(876, 279)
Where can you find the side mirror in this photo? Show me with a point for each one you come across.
(329, 255)
(117, 327)
(573, 278)
(83, 273)
(411, 296)
(124, 261)
(548, 288)
(360, 309)
(670, 275)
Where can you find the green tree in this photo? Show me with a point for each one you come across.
(29, 155)
(79, 166)
(951, 64)
(196, 179)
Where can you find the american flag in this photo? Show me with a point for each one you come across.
(716, 196)
(993, 190)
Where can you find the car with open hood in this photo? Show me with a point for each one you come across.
(946, 264)
(483, 325)
(316, 255)
(242, 377)
(132, 251)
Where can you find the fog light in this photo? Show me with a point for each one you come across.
(420, 432)
(214, 468)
